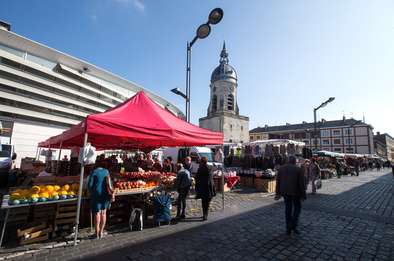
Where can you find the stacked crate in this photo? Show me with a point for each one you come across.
(65, 218)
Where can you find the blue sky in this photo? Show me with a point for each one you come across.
(289, 55)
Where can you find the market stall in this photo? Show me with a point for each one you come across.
(42, 202)
(138, 123)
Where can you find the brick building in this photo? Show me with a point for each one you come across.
(343, 136)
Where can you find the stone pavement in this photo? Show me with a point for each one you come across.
(351, 218)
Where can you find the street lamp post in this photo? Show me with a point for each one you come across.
(215, 16)
(314, 118)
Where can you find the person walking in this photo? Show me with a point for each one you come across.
(314, 174)
(182, 184)
(392, 168)
(305, 171)
(101, 195)
(357, 167)
(205, 188)
(290, 185)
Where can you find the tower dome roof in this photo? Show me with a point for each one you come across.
(224, 71)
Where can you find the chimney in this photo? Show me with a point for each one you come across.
(5, 26)
(323, 120)
(343, 118)
(378, 133)
(266, 126)
(288, 124)
(304, 122)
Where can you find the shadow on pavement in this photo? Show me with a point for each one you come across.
(331, 225)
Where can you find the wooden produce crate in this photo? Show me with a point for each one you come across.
(265, 185)
(34, 233)
(219, 186)
(247, 181)
(65, 217)
(18, 215)
(118, 213)
(44, 213)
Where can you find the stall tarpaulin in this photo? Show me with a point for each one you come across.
(138, 123)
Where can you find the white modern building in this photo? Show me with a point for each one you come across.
(44, 91)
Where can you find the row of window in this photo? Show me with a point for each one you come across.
(347, 141)
(45, 87)
(327, 133)
(46, 99)
(40, 109)
(48, 88)
(231, 128)
(230, 103)
(49, 64)
(51, 78)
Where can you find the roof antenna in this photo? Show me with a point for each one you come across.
(363, 117)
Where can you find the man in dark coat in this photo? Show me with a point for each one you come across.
(205, 188)
(291, 186)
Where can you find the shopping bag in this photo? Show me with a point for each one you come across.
(318, 184)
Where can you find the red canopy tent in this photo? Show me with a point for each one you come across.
(138, 123)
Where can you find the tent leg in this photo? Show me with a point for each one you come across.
(80, 194)
(58, 158)
(223, 183)
(37, 153)
(222, 189)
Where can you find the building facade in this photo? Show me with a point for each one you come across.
(223, 111)
(384, 145)
(44, 91)
(342, 136)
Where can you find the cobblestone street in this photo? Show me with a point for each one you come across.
(351, 218)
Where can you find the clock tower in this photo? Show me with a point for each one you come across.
(223, 111)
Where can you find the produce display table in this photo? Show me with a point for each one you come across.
(135, 191)
(121, 210)
(7, 207)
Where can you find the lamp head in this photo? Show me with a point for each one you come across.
(203, 31)
(215, 16)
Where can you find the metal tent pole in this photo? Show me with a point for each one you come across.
(85, 140)
(37, 153)
(58, 158)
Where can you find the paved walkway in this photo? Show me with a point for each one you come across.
(350, 219)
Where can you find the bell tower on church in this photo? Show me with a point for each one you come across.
(223, 112)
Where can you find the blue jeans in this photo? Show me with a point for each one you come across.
(292, 211)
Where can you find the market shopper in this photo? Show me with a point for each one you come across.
(205, 188)
(314, 174)
(392, 168)
(188, 164)
(305, 171)
(101, 195)
(149, 162)
(167, 166)
(182, 185)
(157, 166)
(291, 186)
(357, 167)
